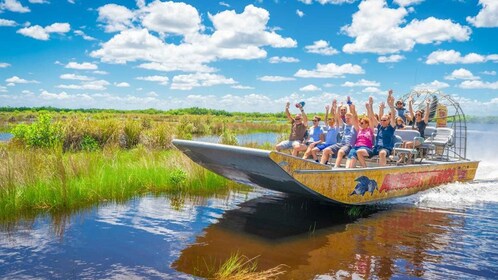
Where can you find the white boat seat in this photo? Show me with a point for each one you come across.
(441, 140)
(429, 131)
(407, 135)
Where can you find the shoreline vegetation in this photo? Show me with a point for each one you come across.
(65, 161)
(62, 159)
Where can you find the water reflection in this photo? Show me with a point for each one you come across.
(315, 239)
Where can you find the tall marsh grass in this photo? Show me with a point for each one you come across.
(50, 180)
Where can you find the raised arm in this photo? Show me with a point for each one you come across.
(370, 113)
(356, 125)
(427, 108)
(390, 103)
(410, 108)
(305, 117)
(338, 116)
(382, 105)
(287, 113)
(327, 107)
(334, 112)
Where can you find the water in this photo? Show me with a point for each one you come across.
(244, 139)
(444, 233)
(4, 136)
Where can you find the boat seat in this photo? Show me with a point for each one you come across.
(441, 141)
(407, 135)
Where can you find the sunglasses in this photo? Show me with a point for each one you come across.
(315, 120)
(383, 120)
(297, 119)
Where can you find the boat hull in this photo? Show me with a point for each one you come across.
(285, 173)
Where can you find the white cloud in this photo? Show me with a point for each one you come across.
(224, 4)
(17, 80)
(14, 6)
(152, 94)
(187, 82)
(461, 74)
(323, 2)
(330, 70)
(487, 16)
(99, 72)
(3, 89)
(321, 47)
(478, 85)
(75, 77)
(299, 13)
(4, 65)
(84, 36)
(38, 2)
(390, 59)
(361, 83)
(491, 73)
(404, 3)
(162, 80)
(7, 22)
(171, 18)
(175, 65)
(377, 29)
(310, 88)
(454, 57)
(235, 36)
(115, 17)
(371, 90)
(60, 96)
(283, 59)
(241, 87)
(122, 84)
(81, 66)
(90, 85)
(434, 85)
(43, 33)
(275, 79)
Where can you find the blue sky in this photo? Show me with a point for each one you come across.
(245, 55)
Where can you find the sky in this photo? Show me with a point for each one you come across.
(245, 56)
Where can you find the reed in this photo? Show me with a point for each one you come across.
(239, 267)
(50, 180)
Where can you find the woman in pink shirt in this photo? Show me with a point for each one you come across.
(364, 138)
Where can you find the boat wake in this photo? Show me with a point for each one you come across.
(483, 190)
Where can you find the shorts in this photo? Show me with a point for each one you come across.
(287, 144)
(377, 149)
(322, 146)
(353, 152)
(344, 147)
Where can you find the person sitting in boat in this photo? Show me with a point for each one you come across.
(401, 110)
(421, 119)
(298, 130)
(315, 136)
(364, 136)
(343, 111)
(347, 136)
(400, 124)
(384, 140)
(331, 132)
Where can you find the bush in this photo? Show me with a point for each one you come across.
(89, 144)
(41, 134)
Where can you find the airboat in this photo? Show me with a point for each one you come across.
(440, 160)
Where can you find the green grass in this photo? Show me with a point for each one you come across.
(42, 180)
(239, 267)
